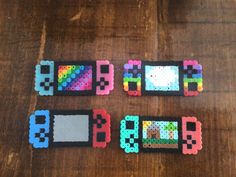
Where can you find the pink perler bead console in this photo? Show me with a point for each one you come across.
(105, 77)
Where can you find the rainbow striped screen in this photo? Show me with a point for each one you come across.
(74, 77)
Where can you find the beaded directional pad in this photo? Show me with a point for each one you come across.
(189, 142)
(46, 84)
(135, 71)
(190, 71)
(99, 121)
(131, 141)
(41, 135)
(102, 83)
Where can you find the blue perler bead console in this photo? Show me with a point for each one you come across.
(39, 129)
(160, 134)
(69, 128)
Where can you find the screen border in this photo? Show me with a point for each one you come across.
(163, 63)
(84, 92)
(70, 112)
(152, 118)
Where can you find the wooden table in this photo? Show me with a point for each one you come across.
(31, 30)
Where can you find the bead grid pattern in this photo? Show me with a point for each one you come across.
(192, 78)
(160, 134)
(105, 77)
(101, 128)
(192, 135)
(132, 77)
(48, 129)
(39, 129)
(161, 78)
(177, 78)
(74, 78)
(44, 78)
(129, 134)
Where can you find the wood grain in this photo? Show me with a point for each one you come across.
(118, 30)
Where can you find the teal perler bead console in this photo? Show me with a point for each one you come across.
(160, 134)
(74, 78)
(129, 134)
(180, 78)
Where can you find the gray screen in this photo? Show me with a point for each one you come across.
(71, 128)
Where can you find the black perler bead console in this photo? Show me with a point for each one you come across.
(160, 134)
(74, 78)
(180, 78)
(69, 128)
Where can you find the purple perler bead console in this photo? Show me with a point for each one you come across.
(180, 78)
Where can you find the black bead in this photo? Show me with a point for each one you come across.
(130, 125)
(104, 69)
(191, 126)
(40, 119)
(132, 86)
(101, 137)
(44, 69)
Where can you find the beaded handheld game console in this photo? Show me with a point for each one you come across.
(160, 134)
(51, 128)
(183, 78)
(74, 78)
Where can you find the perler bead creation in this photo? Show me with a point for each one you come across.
(74, 78)
(182, 78)
(192, 78)
(69, 128)
(160, 134)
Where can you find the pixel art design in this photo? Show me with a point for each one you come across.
(176, 78)
(39, 129)
(105, 77)
(160, 134)
(44, 77)
(69, 128)
(101, 128)
(192, 78)
(161, 78)
(132, 77)
(129, 135)
(74, 77)
(192, 135)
